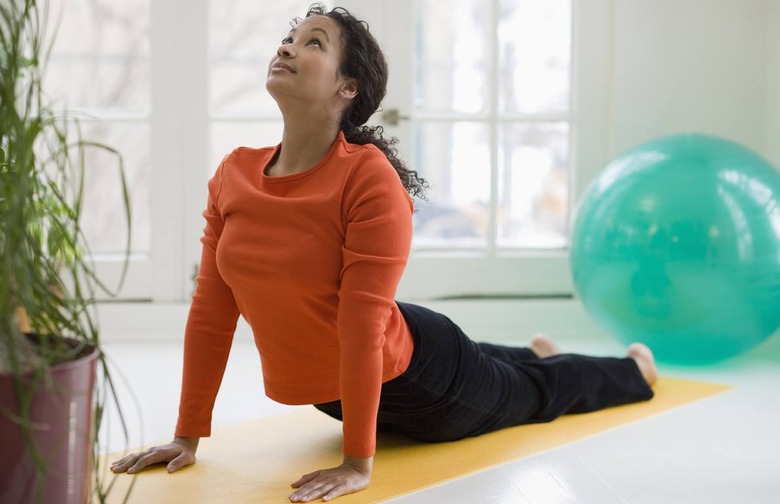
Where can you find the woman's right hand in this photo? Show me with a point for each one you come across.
(178, 453)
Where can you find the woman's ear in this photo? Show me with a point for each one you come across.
(349, 89)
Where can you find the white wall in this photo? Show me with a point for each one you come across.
(690, 65)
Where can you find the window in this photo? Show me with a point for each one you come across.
(99, 69)
(488, 119)
(491, 111)
(486, 86)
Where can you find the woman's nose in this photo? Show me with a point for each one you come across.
(286, 50)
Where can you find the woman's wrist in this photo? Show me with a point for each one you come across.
(192, 441)
(363, 465)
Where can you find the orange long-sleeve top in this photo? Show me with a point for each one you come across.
(311, 261)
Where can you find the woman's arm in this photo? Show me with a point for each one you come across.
(208, 336)
(375, 251)
(211, 324)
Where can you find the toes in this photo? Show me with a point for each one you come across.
(645, 360)
(543, 346)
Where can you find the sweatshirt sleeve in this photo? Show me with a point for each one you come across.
(375, 252)
(211, 324)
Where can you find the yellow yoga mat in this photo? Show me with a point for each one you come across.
(255, 462)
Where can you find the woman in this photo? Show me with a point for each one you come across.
(308, 241)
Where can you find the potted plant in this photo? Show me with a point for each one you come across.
(54, 381)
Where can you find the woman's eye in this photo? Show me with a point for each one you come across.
(286, 40)
(315, 41)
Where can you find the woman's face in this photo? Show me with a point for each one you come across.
(306, 65)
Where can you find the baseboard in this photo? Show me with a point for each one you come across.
(482, 319)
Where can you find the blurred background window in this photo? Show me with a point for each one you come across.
(491, 119)
(99, 69)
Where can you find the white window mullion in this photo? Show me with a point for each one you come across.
(166, 194)
(174, 140)
(194, 61)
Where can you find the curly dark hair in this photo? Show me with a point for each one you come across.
(364, 61)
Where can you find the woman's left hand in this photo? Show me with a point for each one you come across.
(351, 476)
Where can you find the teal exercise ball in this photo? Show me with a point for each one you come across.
(676, 244)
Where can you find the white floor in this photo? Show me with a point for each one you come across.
(724, 449)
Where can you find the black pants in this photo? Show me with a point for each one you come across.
(456, 388)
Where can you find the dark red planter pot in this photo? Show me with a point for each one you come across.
(62, 415)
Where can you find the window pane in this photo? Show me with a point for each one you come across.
(101, 55)
(533, 185)
(455, 158)
(244, 36)
(534, 56)
(227, 135)
(453, 56)
(100, 62)
(103, 219)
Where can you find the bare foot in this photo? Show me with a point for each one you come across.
(644, 359)
(543, 346)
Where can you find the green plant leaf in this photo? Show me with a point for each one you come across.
(28, 62)
(54, 242)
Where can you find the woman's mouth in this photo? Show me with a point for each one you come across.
(282, 67)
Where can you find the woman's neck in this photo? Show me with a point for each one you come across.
(304, 144)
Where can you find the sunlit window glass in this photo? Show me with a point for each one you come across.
(455, 158)
(452, 61)
(503, 68)
(99, 70)
(534, 41)
(533, 191)
(243, 37)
